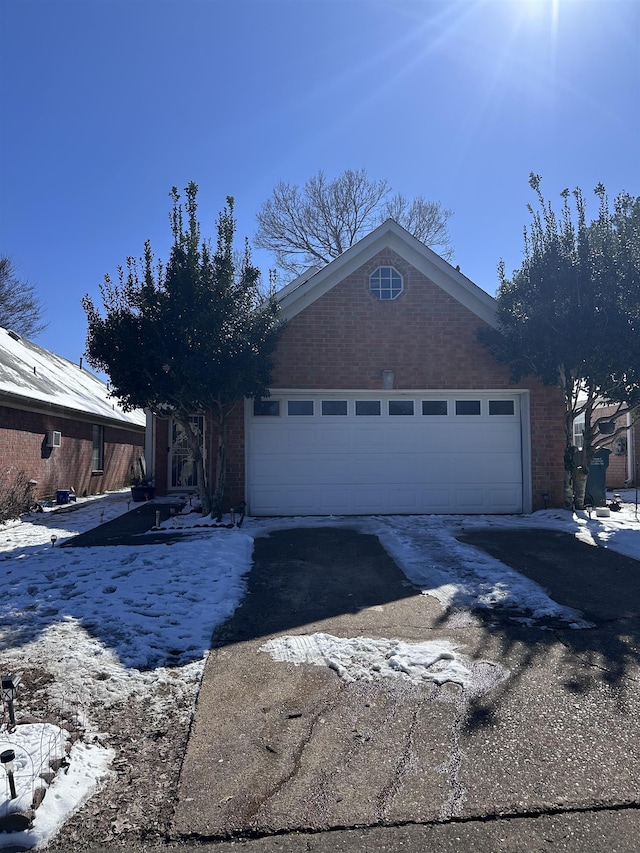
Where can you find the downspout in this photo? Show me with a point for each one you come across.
(149, 446)
(630, 451)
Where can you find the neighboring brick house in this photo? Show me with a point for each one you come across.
(59, 426)
(384, 401)
(624, 459)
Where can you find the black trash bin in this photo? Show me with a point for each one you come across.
(597, 479)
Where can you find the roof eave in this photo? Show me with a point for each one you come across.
(393, 236)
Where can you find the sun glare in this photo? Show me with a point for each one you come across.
(540, 8)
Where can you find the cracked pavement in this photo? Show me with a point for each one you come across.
(547, 730)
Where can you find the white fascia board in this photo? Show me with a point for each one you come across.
(393, 236)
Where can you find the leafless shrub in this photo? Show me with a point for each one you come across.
(16, 493)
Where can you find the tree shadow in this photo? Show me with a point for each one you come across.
(602, 584)
(302, 576)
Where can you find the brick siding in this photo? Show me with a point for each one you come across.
(23, 448)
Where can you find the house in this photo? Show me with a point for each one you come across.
(383, 400)
(623, 460)
(58, 425)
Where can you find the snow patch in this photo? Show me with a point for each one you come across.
(366, 659)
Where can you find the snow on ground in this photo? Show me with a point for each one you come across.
(365, 659)
(112, 621)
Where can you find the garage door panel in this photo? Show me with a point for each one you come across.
(268, 501)
(501, 500)
(266, 470)
(501, 438)
(367, 437)
(438, 499)
(384, 464)
(301, 438)
(333, 439)
(406, 500)
(370, 501)
(469, 500)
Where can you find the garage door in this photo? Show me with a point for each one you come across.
(368, 453)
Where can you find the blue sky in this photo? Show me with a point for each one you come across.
(106, 104)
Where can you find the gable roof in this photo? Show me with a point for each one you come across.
(33, 377)
(304, 290)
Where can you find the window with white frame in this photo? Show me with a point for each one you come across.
(97, 455)
(578, 431)
(386, 283)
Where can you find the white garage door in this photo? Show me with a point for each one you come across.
(367, 453)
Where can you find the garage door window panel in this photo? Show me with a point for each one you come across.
(502, 407)
(401, 407)
(297, 408)
(266, 408)
(334, 407)
(468, 407)
(368, 407)
(435, 408)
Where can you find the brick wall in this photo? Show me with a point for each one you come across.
(23, 447)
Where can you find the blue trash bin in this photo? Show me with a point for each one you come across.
(62, 496)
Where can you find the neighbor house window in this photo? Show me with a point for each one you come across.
(97, 456)
(385, 283)
(578, 431)
(266, 408)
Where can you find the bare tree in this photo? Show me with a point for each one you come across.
(20, 308)
(316, 223)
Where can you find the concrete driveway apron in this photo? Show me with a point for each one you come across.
(545, 724)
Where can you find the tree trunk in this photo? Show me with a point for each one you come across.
(569, 459)
(568, 493)
(221, 463)
(582, 472)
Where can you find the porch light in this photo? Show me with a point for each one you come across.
(9, 692)
(6, 759)
(388, 378)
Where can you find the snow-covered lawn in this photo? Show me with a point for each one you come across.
(109, 622)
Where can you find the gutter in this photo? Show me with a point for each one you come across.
(28, 404)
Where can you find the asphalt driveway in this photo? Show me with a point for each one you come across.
(547, 725)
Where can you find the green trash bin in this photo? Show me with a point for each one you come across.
(597, 479)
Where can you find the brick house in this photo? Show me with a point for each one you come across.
(624, 458)
(383, 400)
(59, 426)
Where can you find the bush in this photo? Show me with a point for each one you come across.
(16, 494)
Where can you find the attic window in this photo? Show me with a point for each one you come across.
(385, 283)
